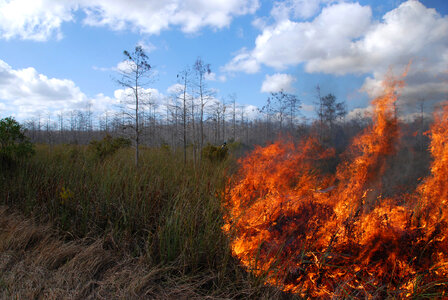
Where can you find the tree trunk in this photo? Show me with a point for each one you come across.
(185, 119)
(137, 140)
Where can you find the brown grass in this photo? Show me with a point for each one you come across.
(37, 262)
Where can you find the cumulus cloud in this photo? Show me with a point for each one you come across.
(250, 112)
(213, 77)
(289, 43)
(344, 39)
(125, 66)
(243, 61)
(147, 46)
(278, 82)
(210, 76)
(40, 20)
(25, 93)
(360, 113)
(34, 20)
(26, 89)
(147, 95)
(246, 112)
(175, 89)
(102, 103)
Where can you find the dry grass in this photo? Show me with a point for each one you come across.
(37, 262)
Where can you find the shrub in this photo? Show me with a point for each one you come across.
(215, 153)
(14, 145)
(107, 146)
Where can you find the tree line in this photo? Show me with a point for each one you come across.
(192, 116)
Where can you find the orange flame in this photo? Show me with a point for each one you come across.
(321, 235)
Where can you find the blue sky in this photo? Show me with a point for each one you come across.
(60, 55)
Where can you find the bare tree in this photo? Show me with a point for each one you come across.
(224, 109)
(201, 69)
(193, 131)
(217, 111)
(233, 102)
(134, 77)
(267, 110)
(242, 109)
(184, 78)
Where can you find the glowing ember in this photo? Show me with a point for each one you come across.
(321, 235)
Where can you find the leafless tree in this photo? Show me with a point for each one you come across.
(184, 79)
(204, 94)
(233, 103)
(135, 77)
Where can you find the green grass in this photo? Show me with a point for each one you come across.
(166, 212)
(165, 208)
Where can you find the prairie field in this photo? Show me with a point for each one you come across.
(102, 229)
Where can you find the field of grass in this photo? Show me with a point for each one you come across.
(77, 225)
(164, 219)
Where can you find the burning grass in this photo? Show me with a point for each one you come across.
(334, 235)
(159, 231)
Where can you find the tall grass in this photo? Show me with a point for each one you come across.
(165, 209)
(165, 213)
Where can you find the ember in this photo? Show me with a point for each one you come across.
(324, 235)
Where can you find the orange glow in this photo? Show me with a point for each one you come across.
(324, 235)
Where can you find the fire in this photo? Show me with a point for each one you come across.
(324, 235)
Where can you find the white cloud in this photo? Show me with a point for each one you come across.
(125, 66)
(210, 76)
(34, 19)
(251, 112)
(146, 95)
(25, 93)
(414, 33)
(278, 82)
(344, 39)
(147, 46)
(213, 77)
(175, 88)
(27, 90)
(248, 112)
(408, 32)
(42, 19)
(102, 103)
(243, 61)
(360, 113)
(289, 43)
(153, 16)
